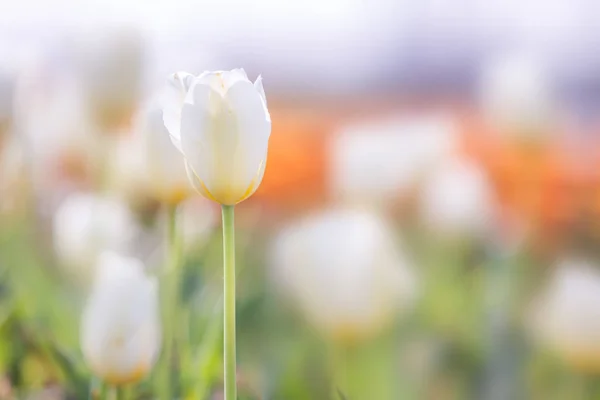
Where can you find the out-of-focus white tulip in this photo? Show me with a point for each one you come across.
(374, 163)
(165, 166)
(345, 272)
(566, 317)
(110, 71)
(517, 96)
(85, 226)
(128, 169)
(220, 123)
(457, 199)
(59, 141)
(120, 328)
(145, 164)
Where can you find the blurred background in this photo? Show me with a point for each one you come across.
(428, 225)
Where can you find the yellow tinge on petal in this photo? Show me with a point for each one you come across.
(230, 195)
(135, 375)
(253, 184)
(208, 193)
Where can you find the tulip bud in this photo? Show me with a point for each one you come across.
(120, 330)
(220, 123)
(344, 272)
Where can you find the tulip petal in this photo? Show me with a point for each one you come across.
(255, 183)
(196, 132)
(254, 128)
(197, 183)
(172, 101)
(258, 85)
(214, 80)
(233, 76)
(220, 81)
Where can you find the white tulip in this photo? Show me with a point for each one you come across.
(120, 328)
(220, 123)
(516, 94)
(128, 169)
(109, 71)
(145, 163)
(60, 142)
(567, 315)
(458, 199)
(344, 271)
(374, 163)
(85, 226)
(165, 166)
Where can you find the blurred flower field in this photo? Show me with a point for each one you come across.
(402, 244)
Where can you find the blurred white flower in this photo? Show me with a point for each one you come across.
(145, 163)
(517, 95)
(374, 163)
(344, 270)
(457, 198)
(110, 72)
(165, 165)
(86, 225)
(128, 169)
(220, 123)
(566, 317)
(61, 144)
(120, 328)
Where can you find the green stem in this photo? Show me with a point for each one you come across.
(170, 306)
(229, 302)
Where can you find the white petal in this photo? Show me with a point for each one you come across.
(214, 80)
(197, 184)
(254, 128)
(221, 81)
(195, 124)
(258, 85)
(162, 160)
(172, 101)
(233, 76)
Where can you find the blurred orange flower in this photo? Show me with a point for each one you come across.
(296, 171)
